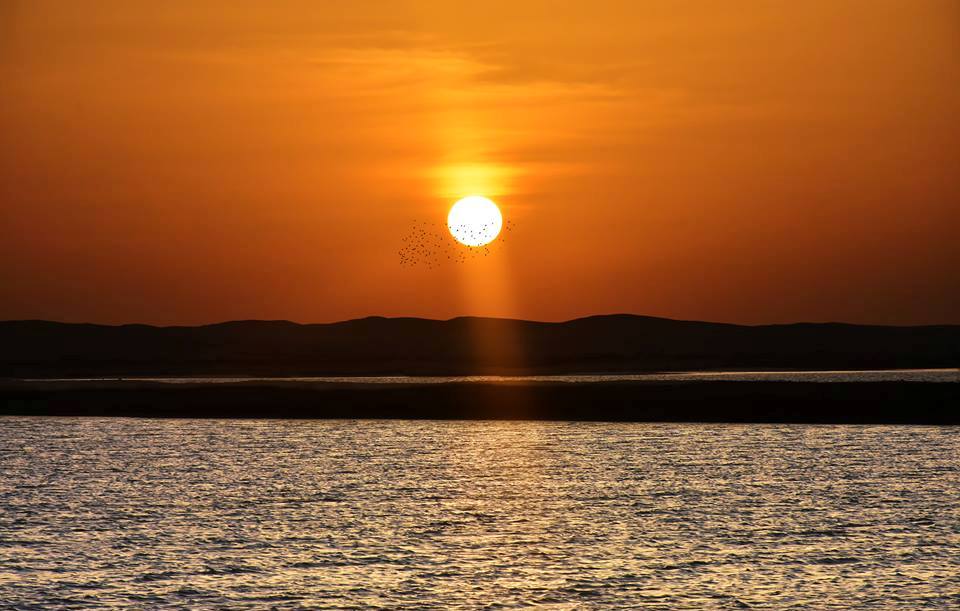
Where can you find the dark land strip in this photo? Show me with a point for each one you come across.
(462, 346)
(725, 401)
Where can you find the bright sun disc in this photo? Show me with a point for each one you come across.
(474, 221)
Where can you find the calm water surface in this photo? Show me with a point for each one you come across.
(329, 514)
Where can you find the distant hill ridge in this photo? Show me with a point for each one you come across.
(463, 345)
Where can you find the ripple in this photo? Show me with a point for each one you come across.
(206, 514)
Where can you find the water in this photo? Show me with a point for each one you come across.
(878, 375)
(260, 514)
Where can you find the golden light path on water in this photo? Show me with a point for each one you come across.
(247, 514)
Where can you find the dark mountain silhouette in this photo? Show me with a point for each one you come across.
(376, 345)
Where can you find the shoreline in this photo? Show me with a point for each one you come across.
(623, 401)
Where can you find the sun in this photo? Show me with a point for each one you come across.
(475, 221)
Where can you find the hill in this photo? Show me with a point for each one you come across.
(376, 345)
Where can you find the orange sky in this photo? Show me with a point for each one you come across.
(185, 162)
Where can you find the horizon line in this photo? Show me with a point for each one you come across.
(625, 315)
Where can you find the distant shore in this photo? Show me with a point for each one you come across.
(619, 343)
(708, 401)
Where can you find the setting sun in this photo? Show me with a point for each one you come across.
(433, 304)
(475, 221)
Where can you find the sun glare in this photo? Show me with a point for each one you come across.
(474, 221)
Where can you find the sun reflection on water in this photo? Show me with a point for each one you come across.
(169, 514)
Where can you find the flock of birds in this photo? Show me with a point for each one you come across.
(431, 244)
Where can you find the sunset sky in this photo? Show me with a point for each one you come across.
(186, 162)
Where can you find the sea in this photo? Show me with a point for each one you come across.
(137, 513)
